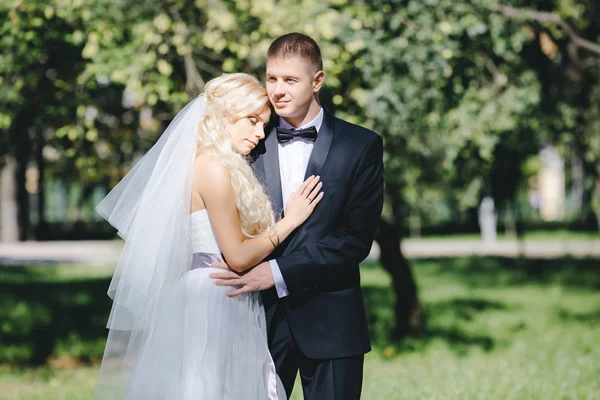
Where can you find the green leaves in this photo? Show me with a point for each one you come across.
(445, 82)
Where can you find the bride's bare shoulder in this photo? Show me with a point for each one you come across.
(210, 170)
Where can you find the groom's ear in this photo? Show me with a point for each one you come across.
(318, 81)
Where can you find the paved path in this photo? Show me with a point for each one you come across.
(107, 252)
(534, 248)
(88, 252)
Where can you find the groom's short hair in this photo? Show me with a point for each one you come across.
(296, 45)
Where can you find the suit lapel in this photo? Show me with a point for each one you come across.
(321, 147)
(271, 164)
(317, 158)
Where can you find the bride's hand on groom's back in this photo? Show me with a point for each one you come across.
(303, 201)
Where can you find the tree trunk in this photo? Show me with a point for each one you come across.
(408, 310)
(9, 226)
(596, 203)
(22, 152)
(39, 157)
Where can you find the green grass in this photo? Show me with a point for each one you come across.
(48, 384)
(53, 273)
(497, 328)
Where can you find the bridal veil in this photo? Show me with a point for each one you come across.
(150, 209)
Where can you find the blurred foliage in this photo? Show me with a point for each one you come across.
(464, 93)
(53, 311)
(461, 93)
(447, 86)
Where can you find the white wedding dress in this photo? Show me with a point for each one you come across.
(205, 345)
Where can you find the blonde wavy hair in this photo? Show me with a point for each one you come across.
(238, 96)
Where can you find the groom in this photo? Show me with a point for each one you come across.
(311, 285)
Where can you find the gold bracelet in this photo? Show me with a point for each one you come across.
(275, 244)
(272, 242)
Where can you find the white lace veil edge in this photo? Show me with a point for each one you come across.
(150, 209)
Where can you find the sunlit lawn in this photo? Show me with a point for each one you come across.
(496, 329)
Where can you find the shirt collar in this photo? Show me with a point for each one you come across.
(317, 122)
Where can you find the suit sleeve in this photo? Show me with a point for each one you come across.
(320, 262)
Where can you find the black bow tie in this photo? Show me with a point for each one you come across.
(285, 135)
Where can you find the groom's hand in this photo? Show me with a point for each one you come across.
(222, 265)
(258, 278)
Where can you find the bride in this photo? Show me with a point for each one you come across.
(190, 201)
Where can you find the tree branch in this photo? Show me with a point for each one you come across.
(545, 17)
(194, 82)
(498, 77)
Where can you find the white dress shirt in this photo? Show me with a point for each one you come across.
(293, 161)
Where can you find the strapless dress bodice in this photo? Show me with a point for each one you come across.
(203, 236)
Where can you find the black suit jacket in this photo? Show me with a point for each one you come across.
(320, 260)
